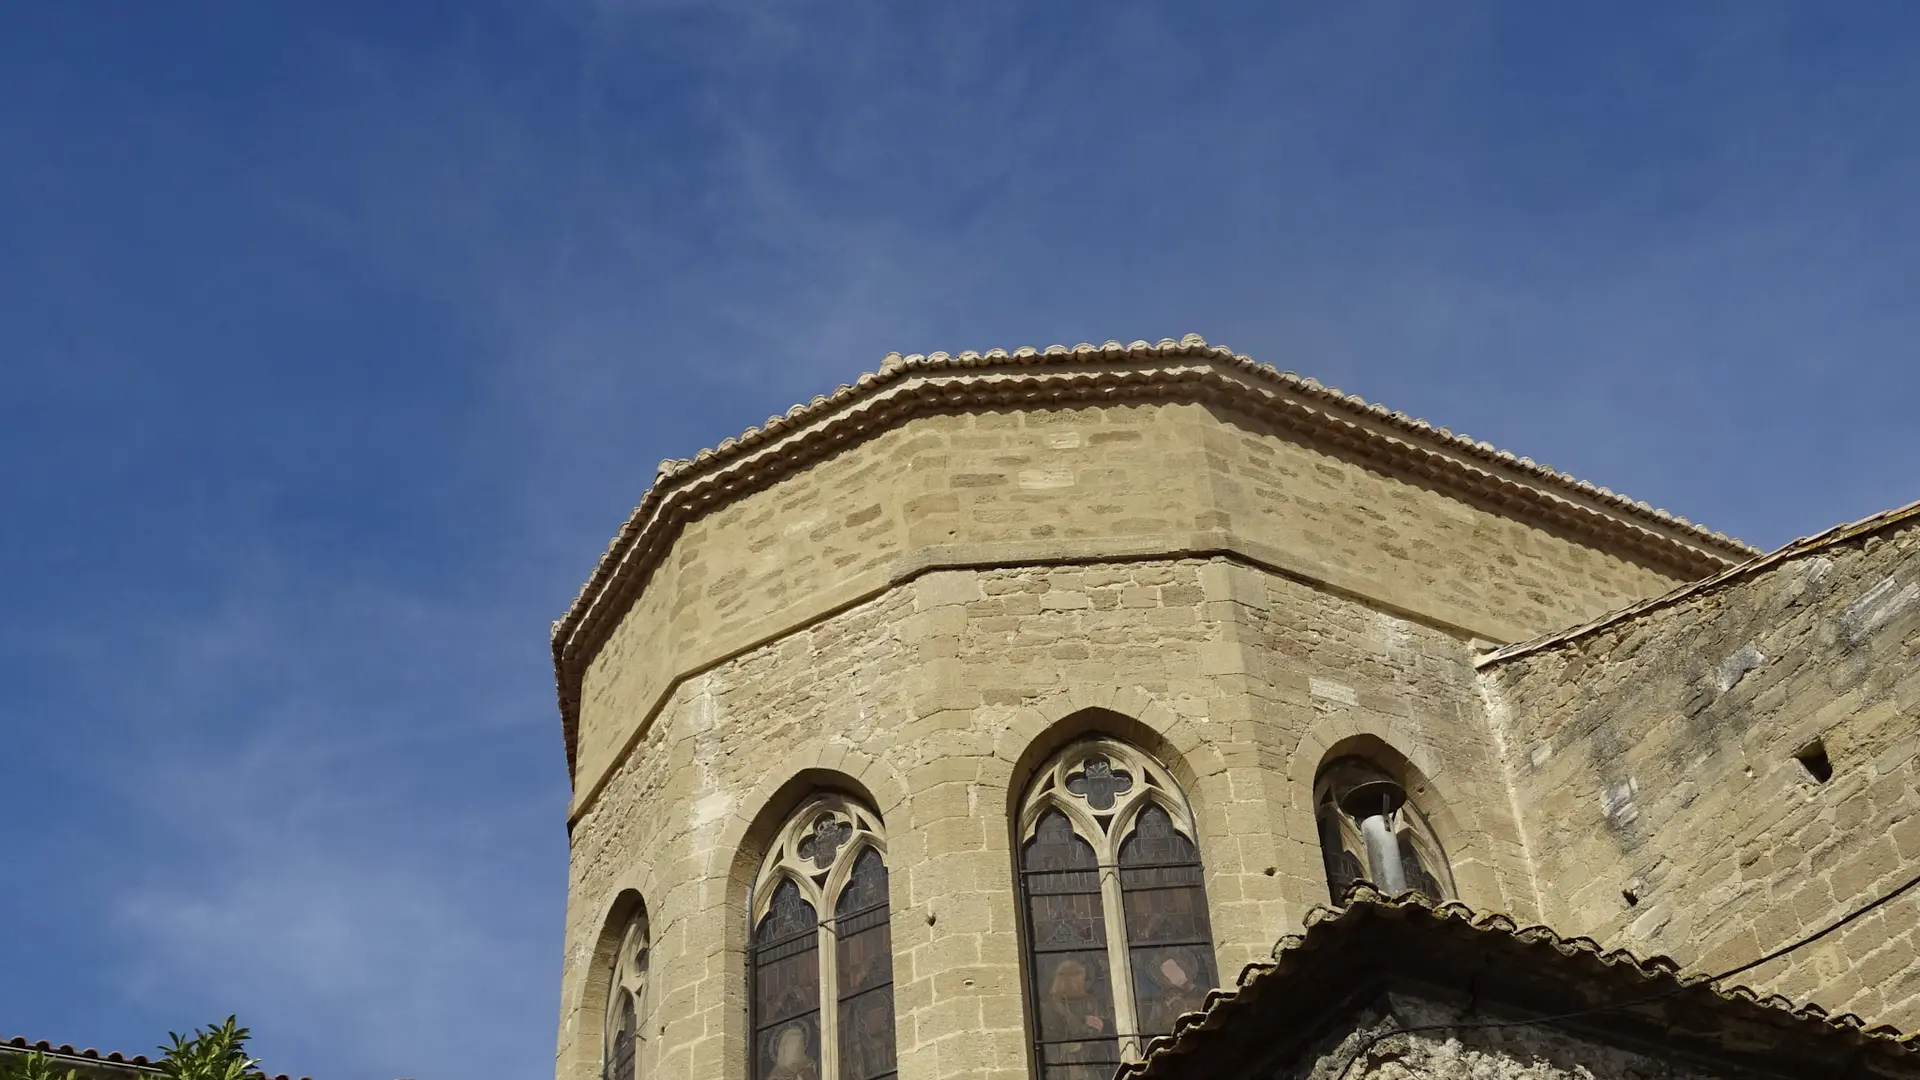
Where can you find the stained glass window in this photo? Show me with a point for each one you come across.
(1115, 909)
(1169, 941)
(1415, 868)
(1067, 935)
(828, 858)
(620, 1061)
(625, 1015)
(786, 985)
(1336, 851)
(864, 940)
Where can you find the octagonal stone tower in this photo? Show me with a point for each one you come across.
(839, 683)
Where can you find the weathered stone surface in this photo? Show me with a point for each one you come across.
(931, 699)
(946, 490)
(1657, 756)
(1511, 1053)
(924, 614)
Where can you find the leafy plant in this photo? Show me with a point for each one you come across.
(216, 1052)
(213, 1053)
(35, 1066)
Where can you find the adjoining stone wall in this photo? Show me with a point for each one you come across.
(1083, 485)
(1656, 757)
(935, 700)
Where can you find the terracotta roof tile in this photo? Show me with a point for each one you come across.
(89, 1056)
(1327, 928)
(577, 634)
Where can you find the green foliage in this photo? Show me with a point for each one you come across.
(213, 1053)
(35, 1066)
(217, 1052)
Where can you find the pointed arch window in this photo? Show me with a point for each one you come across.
(1370, 830)
(821, 961)
(626, 1007)
(1115, 908)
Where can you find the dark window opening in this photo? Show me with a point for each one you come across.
(1813, 758)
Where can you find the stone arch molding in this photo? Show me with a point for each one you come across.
(1452, 817)
(819, 767)
(752, 828)
(1396, 752)
(608, 968)
(1036, 731)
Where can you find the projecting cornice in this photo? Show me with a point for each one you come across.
(1188, 370)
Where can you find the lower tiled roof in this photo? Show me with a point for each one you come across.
(1375, 936)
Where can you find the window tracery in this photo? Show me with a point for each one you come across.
(1114, 902)
(821, 920)
(626, 1006)
(1418, 860)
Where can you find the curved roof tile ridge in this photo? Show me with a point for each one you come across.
(1362, 900)
(894, 363)
(895, 367)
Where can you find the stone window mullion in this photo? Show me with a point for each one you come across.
(1126, 1018)
(829, 995)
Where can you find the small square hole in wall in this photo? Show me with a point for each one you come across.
(1813, 758)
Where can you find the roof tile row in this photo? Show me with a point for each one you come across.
(112, 1057)
(1364, 903)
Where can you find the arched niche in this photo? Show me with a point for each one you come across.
(616, 1000)
(1370, 829)
(1362, 777)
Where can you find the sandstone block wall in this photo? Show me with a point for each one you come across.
(922, 616)
(935, 700)
(1656, 757)
(1077, 484)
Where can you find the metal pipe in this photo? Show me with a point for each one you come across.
(1383, 854)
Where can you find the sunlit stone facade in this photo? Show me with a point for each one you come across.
(882, 626)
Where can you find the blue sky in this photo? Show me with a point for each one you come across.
(336, 340)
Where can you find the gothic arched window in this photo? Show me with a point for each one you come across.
(1112, 894)
(820, 920)
(626, 1002)
(1354, 798)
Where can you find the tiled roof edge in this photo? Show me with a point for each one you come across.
(89, 1056)
(1839, 534)
(1362, 900)
(674, 474)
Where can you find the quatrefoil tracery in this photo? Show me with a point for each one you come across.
(829, 835)
(1098, 782)
(1102, 785)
